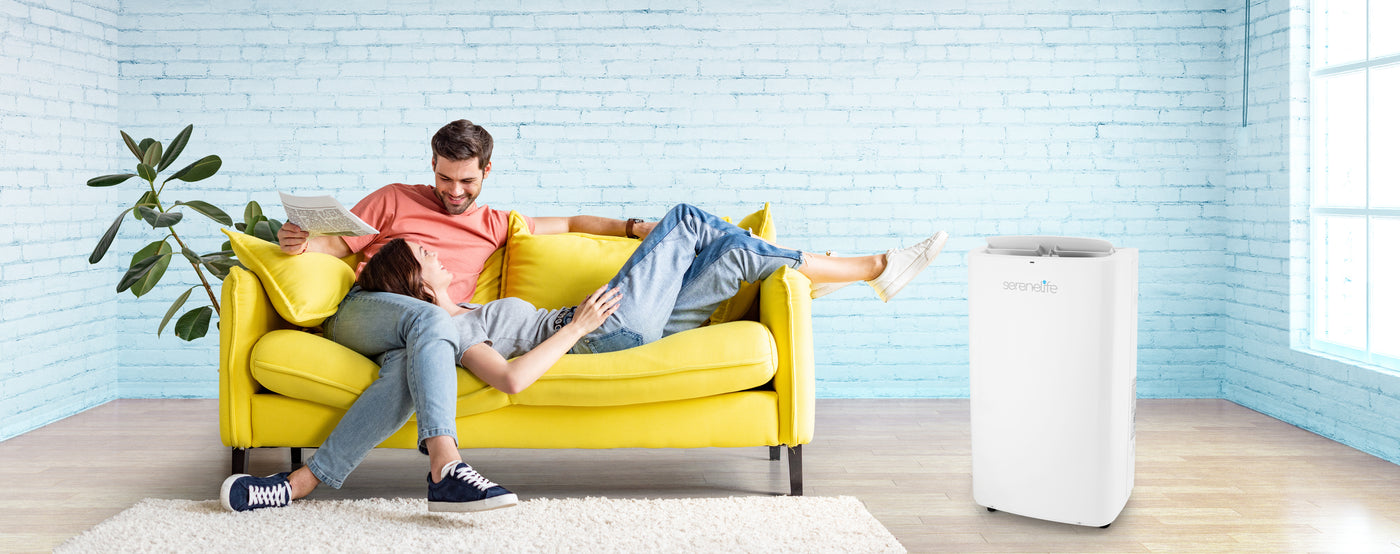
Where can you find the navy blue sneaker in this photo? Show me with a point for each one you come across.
(464, 490)
(243, 492)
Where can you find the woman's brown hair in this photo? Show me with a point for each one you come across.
(394, 269)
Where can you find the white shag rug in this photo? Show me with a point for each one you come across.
(736, 524)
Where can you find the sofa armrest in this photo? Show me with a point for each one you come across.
(245, 315)
(785, 308)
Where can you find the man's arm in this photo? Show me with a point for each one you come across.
(295, 241)
(590, 224)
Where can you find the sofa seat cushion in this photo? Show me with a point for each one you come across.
(310, 367)
(697, 363)
(701, 362)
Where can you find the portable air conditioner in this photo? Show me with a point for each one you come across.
(1053, 340)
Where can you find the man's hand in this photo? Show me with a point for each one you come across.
(293, 239)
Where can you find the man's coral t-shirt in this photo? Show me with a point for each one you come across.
(414, 213)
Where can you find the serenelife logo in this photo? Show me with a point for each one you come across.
(1043, 287)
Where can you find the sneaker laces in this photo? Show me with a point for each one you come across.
(465, 472)
(274, 495)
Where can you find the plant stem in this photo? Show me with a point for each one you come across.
(197, 271)
(207, 289)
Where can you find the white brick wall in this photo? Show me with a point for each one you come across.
(867, 129)
(58, 108)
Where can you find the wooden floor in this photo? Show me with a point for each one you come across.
(1211, 477)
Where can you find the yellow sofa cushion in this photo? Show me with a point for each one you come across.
(555, 271)
(304, 289)
(698, 363)
(309, 367)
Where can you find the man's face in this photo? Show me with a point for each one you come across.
(458, 183)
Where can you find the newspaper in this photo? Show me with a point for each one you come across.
(323, 215)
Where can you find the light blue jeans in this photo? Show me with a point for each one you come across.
(415, 345)
(689, 263)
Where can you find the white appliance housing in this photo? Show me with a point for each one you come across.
(1053, 340)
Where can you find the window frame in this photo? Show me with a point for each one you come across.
(1317, 209)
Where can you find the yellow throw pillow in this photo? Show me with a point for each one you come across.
(304, 289)
(554, 271)
(488, 284)
(760, 223)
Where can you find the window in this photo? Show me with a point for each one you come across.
(1355, 180)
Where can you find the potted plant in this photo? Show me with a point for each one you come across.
(149, 264)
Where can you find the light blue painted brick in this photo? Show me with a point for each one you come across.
(955, 125)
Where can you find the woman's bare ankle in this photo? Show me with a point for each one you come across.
(442, 452)
(303, 481)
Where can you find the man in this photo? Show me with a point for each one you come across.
(413, 341)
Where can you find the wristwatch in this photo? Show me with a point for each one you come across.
(630, 222)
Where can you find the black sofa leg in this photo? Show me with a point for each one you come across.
(795, 469)
(296, 459)
(775, 453)
(240, 460)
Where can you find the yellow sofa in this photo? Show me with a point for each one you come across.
(744, 380)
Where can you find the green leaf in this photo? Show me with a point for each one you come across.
(153, 249)
(192, 256)
(145, 273)
(179, 303)
(106, 241)
(109, 180)
(158, 219)
(149, 200)
(263, 230)
(131, 145)
(252, 212)
(145, 143)
(220, 264)
(153, 276)
(208, 210)
(198, 171)
(194, 324)
(152, 157)
(176, 146)
(266, 229)
(146, 172)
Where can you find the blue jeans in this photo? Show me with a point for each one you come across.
(415, 345)
(689, 263)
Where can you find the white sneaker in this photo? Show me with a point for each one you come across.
(902, 265)
(824, 289)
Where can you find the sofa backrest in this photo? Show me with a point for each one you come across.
(549, 271)
(554, 271)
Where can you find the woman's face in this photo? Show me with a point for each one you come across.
(433, 273)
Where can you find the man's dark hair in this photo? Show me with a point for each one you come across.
(463, 140)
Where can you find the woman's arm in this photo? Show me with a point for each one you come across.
(513, 376)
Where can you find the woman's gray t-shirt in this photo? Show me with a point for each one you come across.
(511, 326)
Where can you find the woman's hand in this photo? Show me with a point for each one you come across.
(595, 309)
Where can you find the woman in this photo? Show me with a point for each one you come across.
(689, 263)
